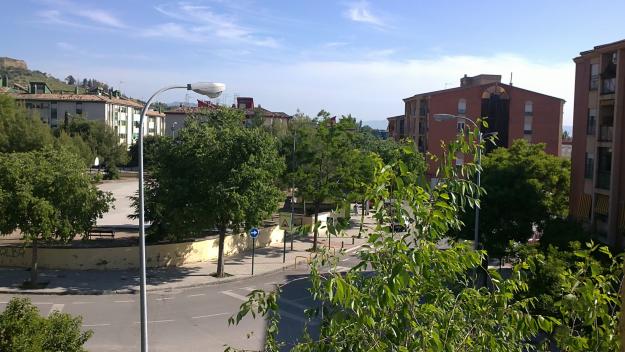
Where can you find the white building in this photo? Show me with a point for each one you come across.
(119, 113)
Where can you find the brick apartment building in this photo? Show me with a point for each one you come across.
(177, 117)
(512, 113)
(120, 113)
(598, 158)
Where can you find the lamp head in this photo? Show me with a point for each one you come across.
(444, 117)
(210, 89)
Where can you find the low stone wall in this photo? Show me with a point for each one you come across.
(159, 255)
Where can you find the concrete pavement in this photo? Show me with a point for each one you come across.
(189, 319)
(267, 260)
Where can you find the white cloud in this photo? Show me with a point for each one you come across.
(201, 23)
(369, 89)
(360, 12)
(74, 16)
(101, 17)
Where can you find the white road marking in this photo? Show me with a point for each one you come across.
(209, 315)
(123, 301)
(298, 318)
(234, 295)
(248, 288)
(293, 303)
(82, 302)
(197, 295)
(4, 302)
(95, 325)
(42, 303)
(57, 307)
(338, 269)
(353, 248)
(346, 259)
(164, 299)
(157, 321)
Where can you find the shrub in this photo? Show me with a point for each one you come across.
(22, 329)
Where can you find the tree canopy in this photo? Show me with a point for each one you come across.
(48, 196)
(216, 174)
(408, 294)
(525, 188)
(23, 329)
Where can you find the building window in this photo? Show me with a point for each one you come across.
(529, 108)
(79, 108)
(594, 76)
(460, 126)
(122, 123)
(604, 167)
(589, 166)
(527, 124)
(462, 106)
(459, 159)
(53, 111)
(413, 108)
(591, 122)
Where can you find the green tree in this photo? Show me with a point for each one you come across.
(525, 188)
(103, 141)
(215, 174)
(407, 294)
(21, 131)
(23, 329)
(48, 196)
(323, 149)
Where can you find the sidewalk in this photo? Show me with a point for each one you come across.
(267, 260)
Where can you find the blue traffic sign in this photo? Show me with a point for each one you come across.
(254, 232)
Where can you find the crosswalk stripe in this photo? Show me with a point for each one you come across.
(57, 307)
(209, 315)
(293, 304)
(248, 288)
(234, 295)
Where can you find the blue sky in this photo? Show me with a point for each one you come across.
(358, 57)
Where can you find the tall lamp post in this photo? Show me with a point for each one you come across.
(212, 90)
(448, 117)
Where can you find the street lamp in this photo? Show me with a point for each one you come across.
(447, 117)
(210, 89)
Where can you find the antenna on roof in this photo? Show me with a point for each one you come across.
(510, 78)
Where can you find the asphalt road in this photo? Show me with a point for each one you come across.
(193, 319)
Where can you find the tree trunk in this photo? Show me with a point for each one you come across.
(315, 227)
(34, 271)
(622, 320)
(220, 255)
(362, 218)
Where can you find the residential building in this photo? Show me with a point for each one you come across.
(511, 112)
(598, 157)
(176, 117)
(120, 113)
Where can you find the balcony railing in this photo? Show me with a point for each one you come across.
(608, 86)
(603, 180)
(605, 133)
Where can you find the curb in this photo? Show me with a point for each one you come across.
(93, 292)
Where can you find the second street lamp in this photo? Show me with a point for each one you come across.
(211, 90)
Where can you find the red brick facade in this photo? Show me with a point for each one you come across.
(473, 99)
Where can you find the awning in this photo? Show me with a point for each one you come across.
(602, 204)
(582, 210)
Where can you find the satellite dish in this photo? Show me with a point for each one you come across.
(96, 162)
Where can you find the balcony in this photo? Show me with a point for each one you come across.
(603, 180)
(608, 86)
(605, 133)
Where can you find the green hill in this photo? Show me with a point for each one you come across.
(19, 73)
(24, 76)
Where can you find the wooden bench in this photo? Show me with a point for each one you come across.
(101, 232)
